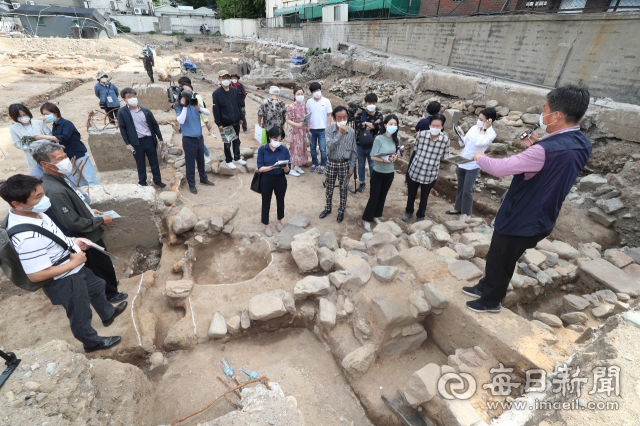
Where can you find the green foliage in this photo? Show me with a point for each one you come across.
(316, 51)
(174, 33)
(188, 38)
(122, 28)
(152, 32)
(199, 3)
(216, 34)
(241, 9)
(181, 33)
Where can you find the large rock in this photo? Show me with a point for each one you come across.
(618, 258)
(599, 271)
(328, 240)
(359, 361)
(423, 225)
(348, 262)
(285, 237)
(179, 289)
(601, 217)
(327, 313)
(380, 240)
(603, 311)
(550, 320)
(359, 275)
(168, 197)
(420, 304)
(435, 297)
(565, 251)
(534, 257)
(402, 344)
(350, 244)
(465, 252)
(464, 270)
(388, 227)
(478, 241)
(592, 182)
(422, 386)
(453, 116)
(326, 259)
(571, 302)
(218, 326)
(299, 220)
(611, 205)
(266, 306)
(312, 286)
(305, 255)
(575, 317)
(184, 221)
(389, 256)
(530, 118)
(311, 236)
(385, 274)
(440, 233)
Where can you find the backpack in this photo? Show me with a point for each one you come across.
(365, 137)
(10, 262)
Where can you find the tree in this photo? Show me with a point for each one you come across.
(199, 3)
(241, 9)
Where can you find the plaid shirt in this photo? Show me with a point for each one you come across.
(426, 164)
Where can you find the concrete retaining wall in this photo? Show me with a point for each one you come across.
(168, 24)
(239, 27)
(552, 50)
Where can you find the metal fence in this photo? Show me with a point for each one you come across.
(288, 21)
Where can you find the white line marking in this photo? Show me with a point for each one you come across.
(133, 305)
(193, 317)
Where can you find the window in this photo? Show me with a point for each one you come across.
(336, 13)
(77, 23)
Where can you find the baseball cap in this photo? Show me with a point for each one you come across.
(274, 90)
(223, 73)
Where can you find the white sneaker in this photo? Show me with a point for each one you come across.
(377, 220)
(231, 166)
(367, 226)
(207, 159)
(241, 162)
(299, 170)
(293, 173)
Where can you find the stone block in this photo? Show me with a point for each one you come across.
(380, 240)
(465, 252)
(618, 258)
(328, 240)
(282, 63)
(284, 239)
(611, 205)
(575, 317)
(478, 241)
(311, 286)
(299, 220)
(400, 344)
(152, 96)
(592, 182)
(178, 289)
(389, 256)
(109, 152)
(550, 320)
(447, 253)
(360, 360)
(464, 270)
(140, 208)
(533, 256)
(218, 326)
(424, 225)
(385, 274)
(348, 262)
(435, 297)
(305, 255)
(327, 313)
(326, 259)
(266, 306)
(601, 217)
(263, 56)
(388, 227)
(603, 311)
(420, 304)
(455, 225)
(604, 273)
(565, 251)
(271, 59)
(359, 275)
(543, 326)
(453, 116)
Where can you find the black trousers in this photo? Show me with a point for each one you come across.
(406, 175)
(100, 264)
(77, 293)
(112, 113)
(150, 74)
(504, 252)
(147, 146)
(194, 154)
(244, 122)
(269, 185)
(379, 188)
(236, 147)
(424, 196)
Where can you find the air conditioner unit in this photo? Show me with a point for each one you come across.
(15, 5)
(137, 11)
(145, 11)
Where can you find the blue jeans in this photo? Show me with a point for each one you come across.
(317, 137)
(207, 153)
(88, 172)
(364, 154)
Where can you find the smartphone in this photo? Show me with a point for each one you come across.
(528, 132)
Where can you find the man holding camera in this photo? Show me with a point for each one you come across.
(227, 112)
(141, 133)
(368, 126)
(188, 112)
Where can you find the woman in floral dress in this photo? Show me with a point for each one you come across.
(297, 134)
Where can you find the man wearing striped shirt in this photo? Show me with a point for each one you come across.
(341, 159)
(73, 285)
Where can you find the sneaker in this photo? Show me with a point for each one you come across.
(241, 162)
(245, 132)
(321, 170)
(299, 170)
(361, 187)
(406, 217)
(472, 291)
(313, 168)
(231, 166)
(377, 220)
(160, 185)
(478, 306)
(293, 173)
(367, 226)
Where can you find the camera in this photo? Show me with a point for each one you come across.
(189, 97)
(352, 111)
(176, 93)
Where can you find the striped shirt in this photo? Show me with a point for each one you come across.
(425, 166)
(36, 252)
(341, 146)
(140, 123)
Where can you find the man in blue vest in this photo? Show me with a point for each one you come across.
(543, 176)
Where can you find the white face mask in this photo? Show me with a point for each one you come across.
(104, 80)
(225, 82)
(371, 108)
(300, 98)
(392, 129)
(24, 119)
(133, 102)
(435, 132)
(341, 123)
(276, 144)
(65, 167)
(234, 81)
(317, 95)
(542, 125)
(480, 124)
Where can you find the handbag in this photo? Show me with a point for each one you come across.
(365, 137)
(256, 182)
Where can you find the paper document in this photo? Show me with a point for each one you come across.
(306, 119)
(457, 159)
(281, 163)
(111, 213)
(97, 247)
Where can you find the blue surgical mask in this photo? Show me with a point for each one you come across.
(42, 206)
(392, 129)
(50, 118)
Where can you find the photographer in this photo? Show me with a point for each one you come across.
(147, 61)
(228, 113)
(368, 126)
(189, 112)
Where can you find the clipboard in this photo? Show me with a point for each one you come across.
(457, 159)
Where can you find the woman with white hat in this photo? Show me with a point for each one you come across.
(272, 112)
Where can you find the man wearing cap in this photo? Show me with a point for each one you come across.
(147, 61)
(272, 111)
(228, 114)
(107, 93)
(242, 94)
(192, 141)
